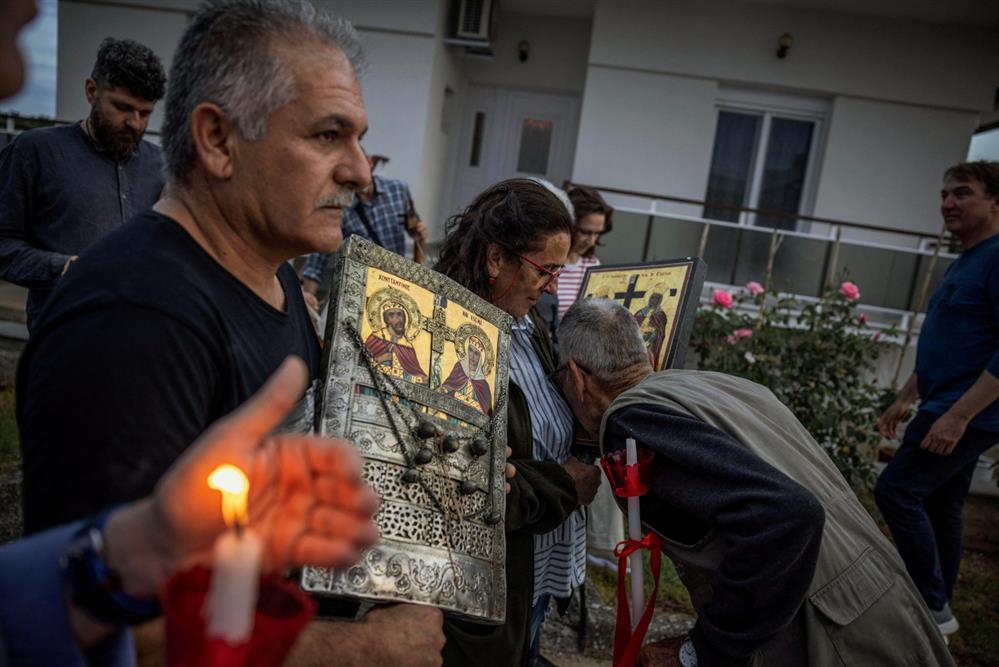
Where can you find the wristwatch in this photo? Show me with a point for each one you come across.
(93, 586)
(687, 655)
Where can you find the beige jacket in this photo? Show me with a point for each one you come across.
(862, 608)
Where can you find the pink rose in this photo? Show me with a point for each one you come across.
(850, 291)
(722, 298)
(877, 335)
(731, 339)
(862, 318)
(741, 334)
(754, 288)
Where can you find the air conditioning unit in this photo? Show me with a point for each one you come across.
(474, 19)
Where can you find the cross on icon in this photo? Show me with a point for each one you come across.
(440, 333)
(631, 293)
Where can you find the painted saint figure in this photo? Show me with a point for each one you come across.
(467, 381)
(652, 321)
(392, 349)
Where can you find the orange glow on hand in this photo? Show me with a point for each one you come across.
(232, 483)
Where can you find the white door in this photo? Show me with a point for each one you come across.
(509, 133)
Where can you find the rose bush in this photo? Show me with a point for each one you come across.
(817, 358)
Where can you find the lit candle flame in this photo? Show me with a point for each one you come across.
(232, 483)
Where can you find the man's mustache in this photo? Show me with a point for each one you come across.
(343, 199)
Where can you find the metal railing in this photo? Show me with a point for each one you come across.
(804, 263)
(892, 278)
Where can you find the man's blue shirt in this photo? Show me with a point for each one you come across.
(960, 335)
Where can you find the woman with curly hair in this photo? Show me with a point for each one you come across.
(509, 247)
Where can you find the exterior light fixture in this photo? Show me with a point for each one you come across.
(784, 45)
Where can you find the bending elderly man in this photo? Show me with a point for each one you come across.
(783, 564)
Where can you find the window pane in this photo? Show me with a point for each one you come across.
(480, 119)
(731, 164)
(535, 143)
(784, 171)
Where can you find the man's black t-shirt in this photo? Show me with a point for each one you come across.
(145, 343)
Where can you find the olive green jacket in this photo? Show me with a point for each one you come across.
(861, 608)
(541, 497)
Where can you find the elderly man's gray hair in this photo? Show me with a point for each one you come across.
(558, 192)
(227, 56)
(603, 338)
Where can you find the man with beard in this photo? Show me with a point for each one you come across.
(392, 349)
(467, 382)
(64, 187)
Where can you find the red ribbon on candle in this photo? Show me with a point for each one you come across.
(282, 612)
(627, 644)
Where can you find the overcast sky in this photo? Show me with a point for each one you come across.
(38, 44)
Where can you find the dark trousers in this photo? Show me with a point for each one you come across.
(921, 496)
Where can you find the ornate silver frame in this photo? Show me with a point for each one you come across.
(442, 528)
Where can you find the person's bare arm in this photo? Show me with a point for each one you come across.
(310, 286)
(946, 431)
(897, 411)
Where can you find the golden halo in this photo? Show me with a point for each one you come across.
(394, 297)
(466, 331)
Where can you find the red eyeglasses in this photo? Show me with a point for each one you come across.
(547, 274)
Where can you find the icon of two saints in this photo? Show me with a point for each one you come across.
(392, 345)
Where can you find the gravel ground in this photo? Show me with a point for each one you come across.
(560, 639)
(10, 506)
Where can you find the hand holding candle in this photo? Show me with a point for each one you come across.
(307, 502)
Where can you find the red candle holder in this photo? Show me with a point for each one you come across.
(282, 612)
(628, 480)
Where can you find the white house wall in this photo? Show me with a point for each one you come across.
(396, 88)
(863, 56)
(905, 99)
(557, 56)
(646, 131)
(400, 40)
(440, 135)
(884, 161)
(410, 16)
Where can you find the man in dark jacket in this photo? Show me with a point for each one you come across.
(63, 188)
(783, 564)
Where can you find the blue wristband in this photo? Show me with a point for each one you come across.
(93, 586)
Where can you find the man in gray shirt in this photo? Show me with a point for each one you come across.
(62, 188)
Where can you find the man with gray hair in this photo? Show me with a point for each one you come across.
(783, 564)
(181, 315)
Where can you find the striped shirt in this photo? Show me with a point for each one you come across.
(569, 281)
(559, 556)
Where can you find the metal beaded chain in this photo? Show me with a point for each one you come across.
(424, 431)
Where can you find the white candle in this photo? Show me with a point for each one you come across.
(232, 597)
(635, 533)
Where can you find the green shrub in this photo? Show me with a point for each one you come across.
(816, 357)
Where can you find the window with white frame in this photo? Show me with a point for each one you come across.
(765, 157)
